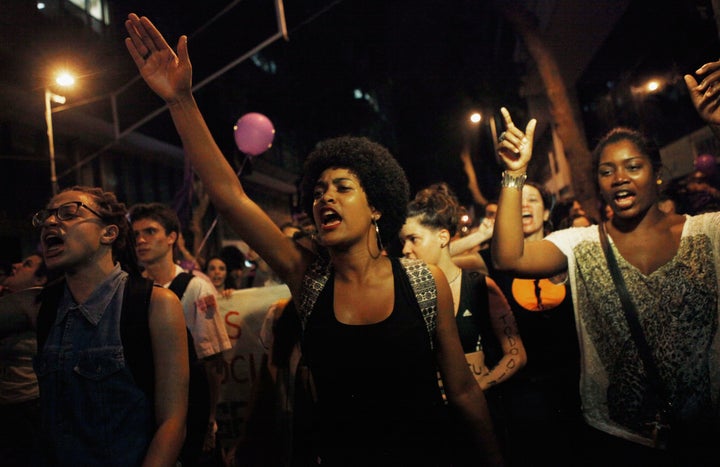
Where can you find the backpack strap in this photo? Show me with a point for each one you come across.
(135, 332)
(49, 301)
(423, 284)
(314, 281)
(178, 286)
(180, 283)
(134, 327)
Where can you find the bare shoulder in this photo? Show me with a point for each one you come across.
(491, 284)
(164, 302)
(436, 271)
(674, 223)
(161, 295)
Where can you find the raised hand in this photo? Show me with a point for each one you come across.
(705, 96)
(167, 73)
(515, 147)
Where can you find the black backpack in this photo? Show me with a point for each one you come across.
(137, 350)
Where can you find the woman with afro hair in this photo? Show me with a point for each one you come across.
(365, 340)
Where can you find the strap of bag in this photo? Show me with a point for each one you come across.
(178, 287)
(135, 332)
(423, 284)
(631, 316)
(180, 283)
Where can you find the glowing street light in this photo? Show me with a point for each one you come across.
(63, 79)
(476, 118)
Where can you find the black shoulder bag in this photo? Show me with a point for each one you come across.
(660, 427)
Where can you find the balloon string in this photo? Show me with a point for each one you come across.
(214, 223)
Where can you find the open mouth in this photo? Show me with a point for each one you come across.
(329, 218)
(52, 244)
(624, 199)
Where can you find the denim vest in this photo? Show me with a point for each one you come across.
(93, 413)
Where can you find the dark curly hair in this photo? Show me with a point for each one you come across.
(437, 206)
(380, 175)
(229, 282)
(548, 203)
(113, 212)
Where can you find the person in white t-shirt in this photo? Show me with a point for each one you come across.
(671, 265)
(156, 228)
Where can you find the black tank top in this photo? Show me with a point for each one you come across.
(378, 397)
(473, 319)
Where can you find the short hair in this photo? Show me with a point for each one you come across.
(113, 212)
(644, 144)
(437, 206)
(160, 213)
(380, 176)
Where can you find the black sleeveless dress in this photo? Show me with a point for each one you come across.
(378, 399)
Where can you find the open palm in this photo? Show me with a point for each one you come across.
(168, 74)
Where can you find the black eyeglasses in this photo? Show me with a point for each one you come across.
(64, 212)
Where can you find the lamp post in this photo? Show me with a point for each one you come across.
(63, 79)
(476, 118)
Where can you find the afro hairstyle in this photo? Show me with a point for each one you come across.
(380, 176)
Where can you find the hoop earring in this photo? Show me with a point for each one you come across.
(377, 231)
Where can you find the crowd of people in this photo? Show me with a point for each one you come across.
(541, 336)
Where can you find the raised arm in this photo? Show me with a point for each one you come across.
(169, 75)
(481, 235)
(705, 95)
(506, 330)
(509, 249)
(459, 383)
(170, 357)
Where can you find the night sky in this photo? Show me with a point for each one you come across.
(421, 66)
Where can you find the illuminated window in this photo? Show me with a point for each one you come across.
(95, 8)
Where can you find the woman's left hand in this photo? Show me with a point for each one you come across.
(515, 147)
(705, 95)
(165, 72)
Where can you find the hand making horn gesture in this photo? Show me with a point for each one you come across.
(514, 146)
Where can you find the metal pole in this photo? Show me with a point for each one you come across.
(51, 142)
(493, 131)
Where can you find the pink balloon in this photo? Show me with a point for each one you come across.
(254, 133)
(705, 163)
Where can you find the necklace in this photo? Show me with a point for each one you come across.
(455, 278)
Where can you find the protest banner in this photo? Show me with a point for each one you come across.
(243, 313)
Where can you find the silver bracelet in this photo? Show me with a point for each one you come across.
(513, 181)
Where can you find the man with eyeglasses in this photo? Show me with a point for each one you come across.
(93, 410)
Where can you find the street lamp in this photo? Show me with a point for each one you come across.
(476, 118)
(63, 79)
